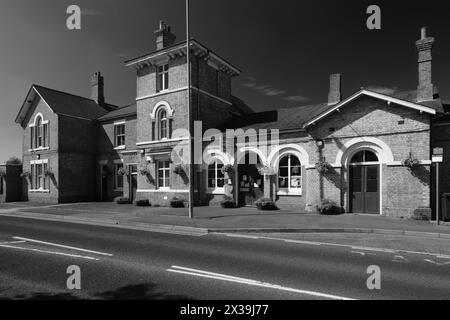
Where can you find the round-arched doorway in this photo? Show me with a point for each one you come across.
(364, 182)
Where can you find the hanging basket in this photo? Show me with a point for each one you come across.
(411, 162)
(323, 166)
(265, 170)
(228, 168)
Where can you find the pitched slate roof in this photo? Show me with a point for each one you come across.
(119, 112)
(69, 104)
(63, 103)
(298, 117)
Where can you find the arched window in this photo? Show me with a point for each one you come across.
(289, 173)
(216, 178)
(364, 156)
(39, 133)
(163, 124)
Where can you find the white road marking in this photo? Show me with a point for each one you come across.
(224, 277)
(231, 235)
(13, 242)
(49, 252)
(385, 250)
(64, 246)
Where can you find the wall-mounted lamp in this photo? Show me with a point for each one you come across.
(319, 143)
(149, 159)
(142, 151)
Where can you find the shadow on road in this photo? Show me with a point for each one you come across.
(145, 291)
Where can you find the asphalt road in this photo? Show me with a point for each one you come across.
(127, 264)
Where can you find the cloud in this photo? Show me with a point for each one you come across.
(296, 98)
(264, 89)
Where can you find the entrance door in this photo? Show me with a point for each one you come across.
(251, 185)
(364, 189)
(133, 182)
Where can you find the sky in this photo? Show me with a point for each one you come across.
(286, 49)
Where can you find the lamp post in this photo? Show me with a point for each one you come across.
(191, 142)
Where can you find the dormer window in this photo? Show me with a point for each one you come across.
(162, 77)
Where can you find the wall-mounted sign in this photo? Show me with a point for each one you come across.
(438, 155)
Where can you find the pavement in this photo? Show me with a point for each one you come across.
(211, 219)
(132, 264)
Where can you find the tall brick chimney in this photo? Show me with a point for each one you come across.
(97, 88)
(335, 94)
(424, 47)
(164, 37)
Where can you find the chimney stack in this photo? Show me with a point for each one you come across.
(424, 48)
(97, 87)
(335, 94)
(164, 37)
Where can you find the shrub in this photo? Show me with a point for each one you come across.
(14, 160)
(177, 203)
(329, 207)
(143, 203)
(122, 200)
(422, 213)
(266, 204)
(227, 203)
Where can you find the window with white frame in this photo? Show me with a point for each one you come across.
(162, 77)
(216, 179)
(39, 133)
(38, 176)
(163, 168)
(163, 124)
(289, 174)
(119, 134)
(118, 181)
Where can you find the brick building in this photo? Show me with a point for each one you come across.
(351, 150)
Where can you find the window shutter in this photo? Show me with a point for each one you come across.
(170, 129)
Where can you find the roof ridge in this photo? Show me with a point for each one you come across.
(73, 95)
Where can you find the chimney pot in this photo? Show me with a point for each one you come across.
(423, 33)
(164, 37)
(424, 48)
(335, 94)
(97, 88)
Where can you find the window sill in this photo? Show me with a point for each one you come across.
(39, 149)
(215, 191)
(120, 148)
(289, 192)
(39, 190)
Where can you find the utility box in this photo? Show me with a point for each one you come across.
(445, 206)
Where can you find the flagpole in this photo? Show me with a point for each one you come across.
(190, 126)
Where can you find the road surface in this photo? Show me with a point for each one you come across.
(119, 263)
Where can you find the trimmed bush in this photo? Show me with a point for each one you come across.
(121, 200)
(177, 203)
(227, 203)
(143, 203)
(329, 207)
(265, 204)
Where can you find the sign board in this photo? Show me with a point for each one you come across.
(438, 151)
(437, 159)
(438, 155)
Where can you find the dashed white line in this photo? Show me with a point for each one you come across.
(224, 277)
(49, 252)
(63, 246)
